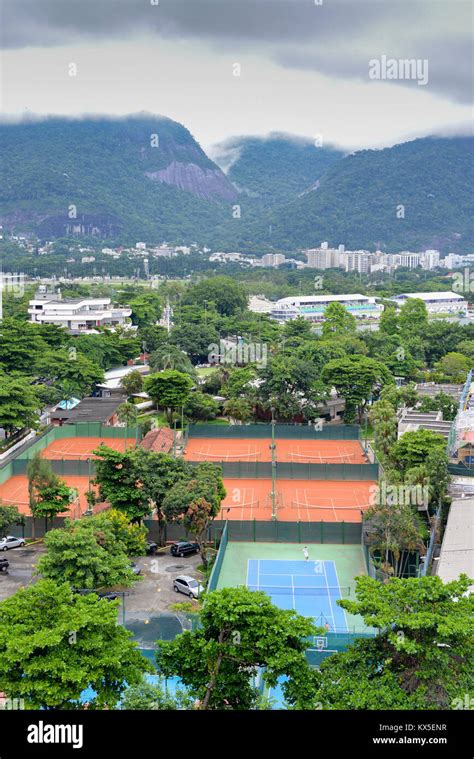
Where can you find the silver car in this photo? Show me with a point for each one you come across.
(188, 585)
(11, 542)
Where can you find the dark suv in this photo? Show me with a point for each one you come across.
(4, 564)
(184, 548)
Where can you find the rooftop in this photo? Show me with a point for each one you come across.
(297, 299)
(442, 295)
(90, 410)
(158, 441)
(458, 543)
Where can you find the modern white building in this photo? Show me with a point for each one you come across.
(409, 260)
(437, 303)
(273, 259)
(312, 307)
(77, 315)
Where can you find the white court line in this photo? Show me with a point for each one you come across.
(293, 592)
(329, 596)
(339, 585)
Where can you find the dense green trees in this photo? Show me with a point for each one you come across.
(383, 417)
(421, 658)
(338, 321)
(168, 356)
(169, 389)
(139, 482)
(241, 630)
(9, 515)
(127, 414)
(55, 643)
(77, 555)
(357, 379)
(227, 295)
(201, 407)
(19, 404)
(132, 382)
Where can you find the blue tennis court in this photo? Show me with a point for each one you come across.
(310, 587)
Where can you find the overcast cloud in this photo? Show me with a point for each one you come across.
(176, 58)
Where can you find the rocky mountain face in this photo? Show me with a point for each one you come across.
(110, 177)
(203, 183)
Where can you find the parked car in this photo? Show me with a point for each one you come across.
(187, 585)
(11, 542)
(184, 548)
(108, 595)
(151, 547)
(135, 569)
(4, 564)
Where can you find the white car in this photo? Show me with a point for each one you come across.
(11, 542)
(188, 585)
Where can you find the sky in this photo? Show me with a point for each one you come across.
(324, 69)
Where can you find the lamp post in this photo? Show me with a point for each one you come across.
(273, 450)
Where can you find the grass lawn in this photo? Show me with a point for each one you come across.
(205, 371)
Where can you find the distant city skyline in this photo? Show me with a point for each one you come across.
(225, 69)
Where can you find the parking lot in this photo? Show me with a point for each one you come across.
(154, 592)
(150, 594)
(20, 572)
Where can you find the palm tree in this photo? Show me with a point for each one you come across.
(128, 414)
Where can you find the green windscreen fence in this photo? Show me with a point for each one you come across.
(287, 470)
(461, 470)
(214, 578)
(283, 431)
(61, 467)
(252, 530)
(294, 532)
(79, 429)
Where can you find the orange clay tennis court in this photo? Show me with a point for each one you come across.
(15, 492)
(297, 500)
(296, 451)
(82, 447)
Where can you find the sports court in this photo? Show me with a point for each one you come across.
(296, 451)
(297, 500)
(14, 492)
(77, 448)
(305, 586)
(310, 587)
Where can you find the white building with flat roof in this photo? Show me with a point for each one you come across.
(312, 307)
(445, 302)
(77, 315)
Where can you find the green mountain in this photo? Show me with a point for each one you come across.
(140, 177)
(146, 178)
(412, 196)
(274, 169)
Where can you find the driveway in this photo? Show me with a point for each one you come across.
(148, 615)
(154, 592)
(20, 572)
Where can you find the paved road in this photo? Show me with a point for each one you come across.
(20, 572)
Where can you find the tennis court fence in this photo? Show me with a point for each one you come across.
(78, 429)
(282, 431)
(216, 569)
(288, 470)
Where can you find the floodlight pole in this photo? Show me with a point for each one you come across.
(273, 450)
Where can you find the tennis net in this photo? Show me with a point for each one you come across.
(303, 590)
(321, 458)
(254, 456)
(331, 506)
(246, 505)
